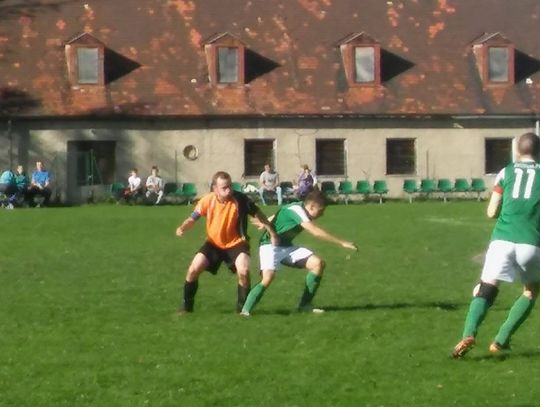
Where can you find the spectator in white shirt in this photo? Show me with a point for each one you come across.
(134, 186)
(154, 185)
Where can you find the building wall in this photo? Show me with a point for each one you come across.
(444, 149)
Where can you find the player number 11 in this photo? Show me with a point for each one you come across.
(528, 186)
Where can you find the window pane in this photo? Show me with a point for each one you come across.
(87, 63)
(400, 156)
(227, 65)
(498, 64)
(498, 154)
(364, 58)
(257, 153)
(330, 157)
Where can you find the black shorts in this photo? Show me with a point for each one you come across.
(216, 256)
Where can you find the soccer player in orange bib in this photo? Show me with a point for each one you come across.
(226, 214)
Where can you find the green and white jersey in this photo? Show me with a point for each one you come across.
(287, 224)
(519, 217)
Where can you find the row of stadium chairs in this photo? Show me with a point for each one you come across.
(444, 186)
(345, 189)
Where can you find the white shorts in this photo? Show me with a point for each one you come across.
(271, 257)
(506, 260)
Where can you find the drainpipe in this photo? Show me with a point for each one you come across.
(10, 138)
(537, 127)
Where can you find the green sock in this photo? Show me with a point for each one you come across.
(254, 297)
(312, 284)
(477, 312)
(517, 315)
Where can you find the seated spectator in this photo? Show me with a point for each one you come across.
(154, 185)
(134, 188)
(39, 185)
(21, 182)
(8, 188)
(269, 182)
(306, 182)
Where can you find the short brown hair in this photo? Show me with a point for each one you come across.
(529, 144)
(221, 174)
(316, 197)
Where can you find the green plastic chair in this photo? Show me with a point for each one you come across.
(478, 185)
(328, 188)
(444, 186)
(410, 187)
(188, 191)
(117, 189)
(236, 186)
(427, 186)
(345, 188)
(461, 185)
(169, 191)
(380, 188)
(363, 188)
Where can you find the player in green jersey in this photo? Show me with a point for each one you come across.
(514, 250)
(288, 222)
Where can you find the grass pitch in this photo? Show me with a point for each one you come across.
(88, 298)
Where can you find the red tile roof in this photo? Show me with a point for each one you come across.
(158, 64)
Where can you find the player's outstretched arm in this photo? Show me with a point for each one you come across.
(322, 234)
(185, 226)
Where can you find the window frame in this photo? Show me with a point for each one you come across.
(395, 168)
(211, 49)
(78, 64)
(319, 160)
(347, 48)
(218, 66)
(72, 59)
(495, 166)
(355, 70)
(508, 64)
(254, 169)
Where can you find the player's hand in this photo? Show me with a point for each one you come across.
(257, 223)
(349, 245)
(274, 239)
(179, 231)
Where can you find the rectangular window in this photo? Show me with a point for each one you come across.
(257, 153)
(498, 154)
(498, 64)
(330, 156)
(364, 58)
(400, 156)
(93, 161)
(227, 65)
(87, 65)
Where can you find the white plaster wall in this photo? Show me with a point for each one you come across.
(440, 152)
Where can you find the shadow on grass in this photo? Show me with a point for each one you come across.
(506, 355)
(444, 306)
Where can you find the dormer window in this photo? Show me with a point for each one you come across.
(498, 69)
(364, 63)
(88, 66)
(361, 57)
(85, 60)
(225, 56)
(227, 65)
(494, 56)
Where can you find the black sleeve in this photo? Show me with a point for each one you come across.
(246, 204)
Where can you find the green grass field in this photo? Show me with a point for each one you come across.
(88, 299)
